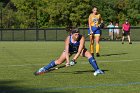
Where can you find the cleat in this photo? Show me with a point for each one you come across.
(122, 42)
(130, 42)
(98, 72)
(101, 72)
(97, 55)
(40, 71)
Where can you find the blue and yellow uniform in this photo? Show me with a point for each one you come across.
(75, 46)
(94, 22)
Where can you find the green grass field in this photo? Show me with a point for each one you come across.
(19, 60)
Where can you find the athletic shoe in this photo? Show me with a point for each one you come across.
(40, 71)
(97, 55)
(130, 42)
(98, 72)
(122, 42)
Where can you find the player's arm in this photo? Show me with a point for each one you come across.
(89, 23)
(67, 50)
(81, 46)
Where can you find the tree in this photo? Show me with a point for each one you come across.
(68, 12)
(60, 13)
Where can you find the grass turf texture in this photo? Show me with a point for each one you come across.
(19, 60)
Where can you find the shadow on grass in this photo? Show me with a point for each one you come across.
(114, 54)
(9, 86)
(86, 71)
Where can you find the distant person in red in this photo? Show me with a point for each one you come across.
(126, 31)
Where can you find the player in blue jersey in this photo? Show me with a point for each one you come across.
(74, 44)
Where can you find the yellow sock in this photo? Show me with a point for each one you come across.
(91, 48)
(97, 48)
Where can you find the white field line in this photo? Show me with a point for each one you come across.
(23, 65)
(92, 86)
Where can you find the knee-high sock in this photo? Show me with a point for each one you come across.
(91, 48)
(93, 63)
(50, 65)
(97, 48)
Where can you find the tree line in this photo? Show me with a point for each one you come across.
(62, 13)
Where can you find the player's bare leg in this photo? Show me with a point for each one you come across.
(129, 39)
(61, 59)
(122, 39)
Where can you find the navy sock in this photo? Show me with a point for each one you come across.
(93, 63)
(50, 65)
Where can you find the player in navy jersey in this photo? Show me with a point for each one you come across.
(74, 44)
